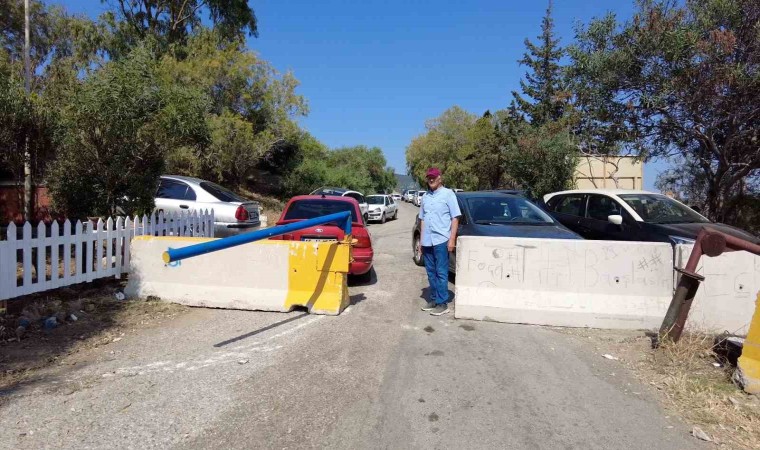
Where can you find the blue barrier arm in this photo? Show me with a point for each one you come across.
(177, 254)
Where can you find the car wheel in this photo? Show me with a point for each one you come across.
(417, 250)
(364, 278)
(382, 218)
(395, 215)
(366, 218)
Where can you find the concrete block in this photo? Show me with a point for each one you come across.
(725, 299)
(264, 275)
(747, 374)
(599, 284)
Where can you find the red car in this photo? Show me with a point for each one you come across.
(310, 206)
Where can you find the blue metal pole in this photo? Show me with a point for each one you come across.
(176, 254)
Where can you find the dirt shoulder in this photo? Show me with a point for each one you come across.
(83, 319)
(693, 382)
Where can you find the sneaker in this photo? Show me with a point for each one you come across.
(440, 310)
(429, 306)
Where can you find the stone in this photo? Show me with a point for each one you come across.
(700, 434)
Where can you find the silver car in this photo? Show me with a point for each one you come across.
(232, 213)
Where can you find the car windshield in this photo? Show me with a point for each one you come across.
(655, 208)
(221, 194)
(309, 209)
(375, 200)
(506, 210)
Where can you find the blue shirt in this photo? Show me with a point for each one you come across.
(437, 209)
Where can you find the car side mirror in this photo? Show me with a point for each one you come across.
(615, 219)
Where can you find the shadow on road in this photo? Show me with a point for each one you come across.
(358, 298)
(261, 330)
(357, 281)
(425, 294)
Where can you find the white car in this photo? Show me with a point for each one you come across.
(342, 192)
(396, 197)
(232, 213)
(418, 198)
(382, 208)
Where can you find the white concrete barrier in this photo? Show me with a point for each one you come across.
(264, 275)
(725, 300)
(600, 284)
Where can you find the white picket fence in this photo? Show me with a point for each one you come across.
(55, 256)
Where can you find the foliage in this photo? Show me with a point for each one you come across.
(681, 80)
(544, 160)
(23, 121)
(251, 110)
(170, 23)
(119, 126)
(495, 151)
(446, 145)
(543, 86)
(359, 168)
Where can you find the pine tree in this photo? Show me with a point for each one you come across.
(544, 97)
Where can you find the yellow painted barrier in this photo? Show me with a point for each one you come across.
(263, 275)
(748, 372)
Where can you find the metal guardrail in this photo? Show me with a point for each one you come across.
(176, 254)
(709, 242)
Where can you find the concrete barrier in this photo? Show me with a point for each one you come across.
(601, 284)
(264, 275)
(725, 299)
(747, 375)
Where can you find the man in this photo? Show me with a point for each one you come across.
(439, 221)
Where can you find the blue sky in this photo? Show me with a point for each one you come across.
(373, 71)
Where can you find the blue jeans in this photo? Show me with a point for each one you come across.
(437, 266)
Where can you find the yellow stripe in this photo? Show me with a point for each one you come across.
(749, 362)
(318, 276)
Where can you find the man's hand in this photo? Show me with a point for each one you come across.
(452, 245)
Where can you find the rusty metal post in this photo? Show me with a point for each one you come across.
(711, 243)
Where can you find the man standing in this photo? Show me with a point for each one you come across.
(439, 221)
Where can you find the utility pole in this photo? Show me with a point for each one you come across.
(28, 200)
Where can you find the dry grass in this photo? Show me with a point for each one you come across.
(703, 395)
(688, 384)
(271, 207)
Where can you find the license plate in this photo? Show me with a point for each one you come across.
(319, 240)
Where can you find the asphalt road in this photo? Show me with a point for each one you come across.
(381, 375)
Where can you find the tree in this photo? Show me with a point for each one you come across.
(171, 22)
(21, 117)
(491, 139)
(116, 132)
(598, 118)
(252, 108)
(543, 160)
(358, 168)
(445, 145)
(683, 81)
(545, 96)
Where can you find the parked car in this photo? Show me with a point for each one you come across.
(310, 206)
(418, 198)
(488, 213)
(342, 192)
(382, 208)
(626, 215)
(396, 197)
(232, 213)
(409, 195)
